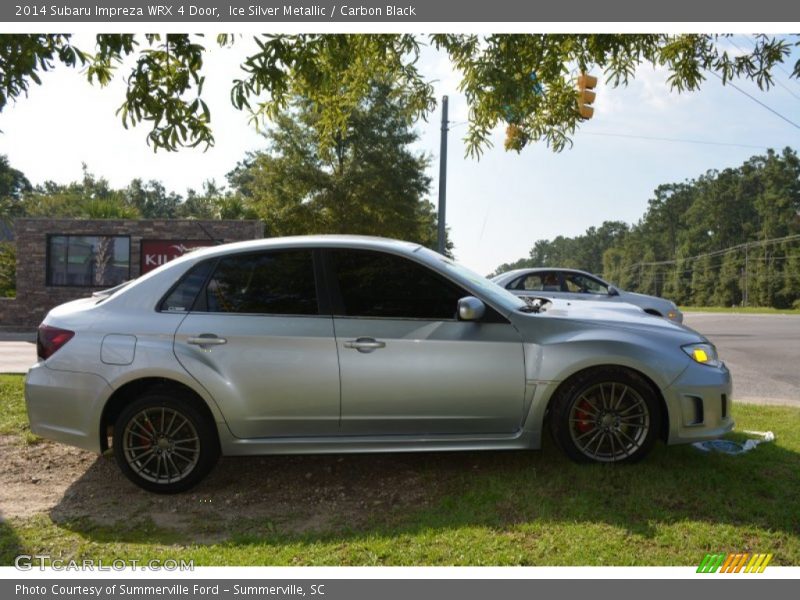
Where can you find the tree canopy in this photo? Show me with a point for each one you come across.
(527, 81)
(368, 181)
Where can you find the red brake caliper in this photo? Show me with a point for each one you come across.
(147, 441)
(585, 423)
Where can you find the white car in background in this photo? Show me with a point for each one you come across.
(572, 284)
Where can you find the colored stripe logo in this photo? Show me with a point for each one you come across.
(738, 562)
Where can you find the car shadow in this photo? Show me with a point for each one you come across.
(10, 544)
(347, 497)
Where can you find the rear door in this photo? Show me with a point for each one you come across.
(408, 365)
(258, 339)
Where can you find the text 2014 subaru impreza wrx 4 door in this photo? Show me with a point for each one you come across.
(351, 344)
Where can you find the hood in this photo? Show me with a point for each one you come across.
(652, 299)
(617, 315)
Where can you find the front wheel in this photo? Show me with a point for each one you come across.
(606, 415)
(163, 443)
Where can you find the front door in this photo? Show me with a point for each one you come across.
(408, 365)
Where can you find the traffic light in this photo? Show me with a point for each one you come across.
(516, 138)
(586, 83)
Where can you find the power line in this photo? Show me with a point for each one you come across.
(788, 238)
(754, 99)
(673, 140)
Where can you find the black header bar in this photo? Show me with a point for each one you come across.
(400, 11)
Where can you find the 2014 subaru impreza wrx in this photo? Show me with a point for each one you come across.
(354, 344)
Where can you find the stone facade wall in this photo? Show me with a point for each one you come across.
(35, 298)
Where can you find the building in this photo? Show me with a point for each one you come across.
(59, 260)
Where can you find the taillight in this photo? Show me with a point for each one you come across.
(50, 340)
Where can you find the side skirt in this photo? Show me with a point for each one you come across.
(232, 446)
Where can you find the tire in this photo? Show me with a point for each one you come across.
(163, 443)
(608, 415)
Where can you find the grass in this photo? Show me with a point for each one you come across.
(745, 310)
(13, 416)
(491, 508)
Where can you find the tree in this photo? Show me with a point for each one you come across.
(696, 233)
(585, 251)
(12, 181)
(151, 200)
(205, 205)
(13, 184)
(526, 81)
(90, 198)
(368, 182)
(8, 269)
(728, 291)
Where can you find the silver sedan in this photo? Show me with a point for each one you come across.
(572, 284)
(351, 344)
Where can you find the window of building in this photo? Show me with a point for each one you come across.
(88, 260)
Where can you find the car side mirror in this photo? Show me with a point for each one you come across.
(612, 291)
(470, 308)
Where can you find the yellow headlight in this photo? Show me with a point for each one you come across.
(703, 353)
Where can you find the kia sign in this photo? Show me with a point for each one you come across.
(157, 252)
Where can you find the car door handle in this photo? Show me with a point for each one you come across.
(365, 344)
(206, 339)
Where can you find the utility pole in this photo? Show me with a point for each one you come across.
(746, 299)
(442, 180)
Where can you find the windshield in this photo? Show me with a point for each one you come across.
(491, 291)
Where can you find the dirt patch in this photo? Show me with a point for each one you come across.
(34, 477)
(286, 494)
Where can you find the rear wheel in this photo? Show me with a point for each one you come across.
(606, 415)
(163, 443)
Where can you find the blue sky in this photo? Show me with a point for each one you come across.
(497, 207)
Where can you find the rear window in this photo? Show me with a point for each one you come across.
(183, 296)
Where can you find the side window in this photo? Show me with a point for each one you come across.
(279, 282)
(376, 284)
(572, 284)
(580, 284)
(594, 286)
(542, 281)
(183, 295)
(531, 283)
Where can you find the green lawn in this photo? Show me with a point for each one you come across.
(491, 508)
(13, 418)
(745, 310)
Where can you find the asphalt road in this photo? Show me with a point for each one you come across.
(762, 352)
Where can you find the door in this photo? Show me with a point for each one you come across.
(408, 366)
(255, 339)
